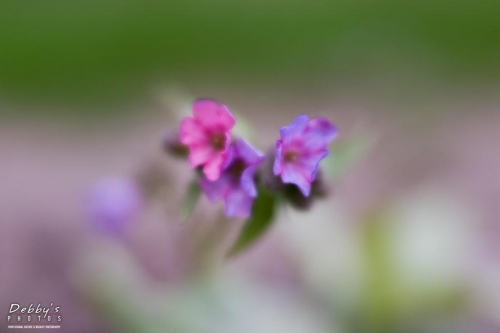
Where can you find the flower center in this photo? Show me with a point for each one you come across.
(236, 169)
(218, 141)
(291, 156)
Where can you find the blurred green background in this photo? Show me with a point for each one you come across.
(112, 51)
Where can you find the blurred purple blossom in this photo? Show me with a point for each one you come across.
(208, 136)
(302, 145)
(236, 184)
(113, 203)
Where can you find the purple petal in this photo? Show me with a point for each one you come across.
(247, 183)
(230, 156)
(277, 168)
(215, 190)
(309, 163)
(294, 174)
(248, 153)
(294, 130)
(238, 203)
(318, 134)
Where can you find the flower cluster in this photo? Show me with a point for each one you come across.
(230, 168)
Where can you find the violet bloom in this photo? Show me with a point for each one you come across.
(235, 184)
(208, 136)
(113, 204)
(302, 146)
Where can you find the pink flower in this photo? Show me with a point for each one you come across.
(208, 136)
(302, 146)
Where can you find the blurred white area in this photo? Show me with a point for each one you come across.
(433, 238)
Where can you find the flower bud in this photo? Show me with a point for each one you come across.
(113, 204)
(173, 146)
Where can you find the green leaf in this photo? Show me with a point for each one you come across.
(260, 220)
(192, 195)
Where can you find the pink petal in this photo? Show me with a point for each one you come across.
(213, 166)
(191, 132)
(213, 115)
(200, 154)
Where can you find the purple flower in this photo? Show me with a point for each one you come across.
(303, 144)
(113, 203)
(235, 184)
(208, 136)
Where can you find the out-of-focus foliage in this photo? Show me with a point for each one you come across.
(263, 212)
(192, 194)
(109, 49)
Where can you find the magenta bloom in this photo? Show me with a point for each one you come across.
(302, 146)
(208, 136)
(235, 184)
